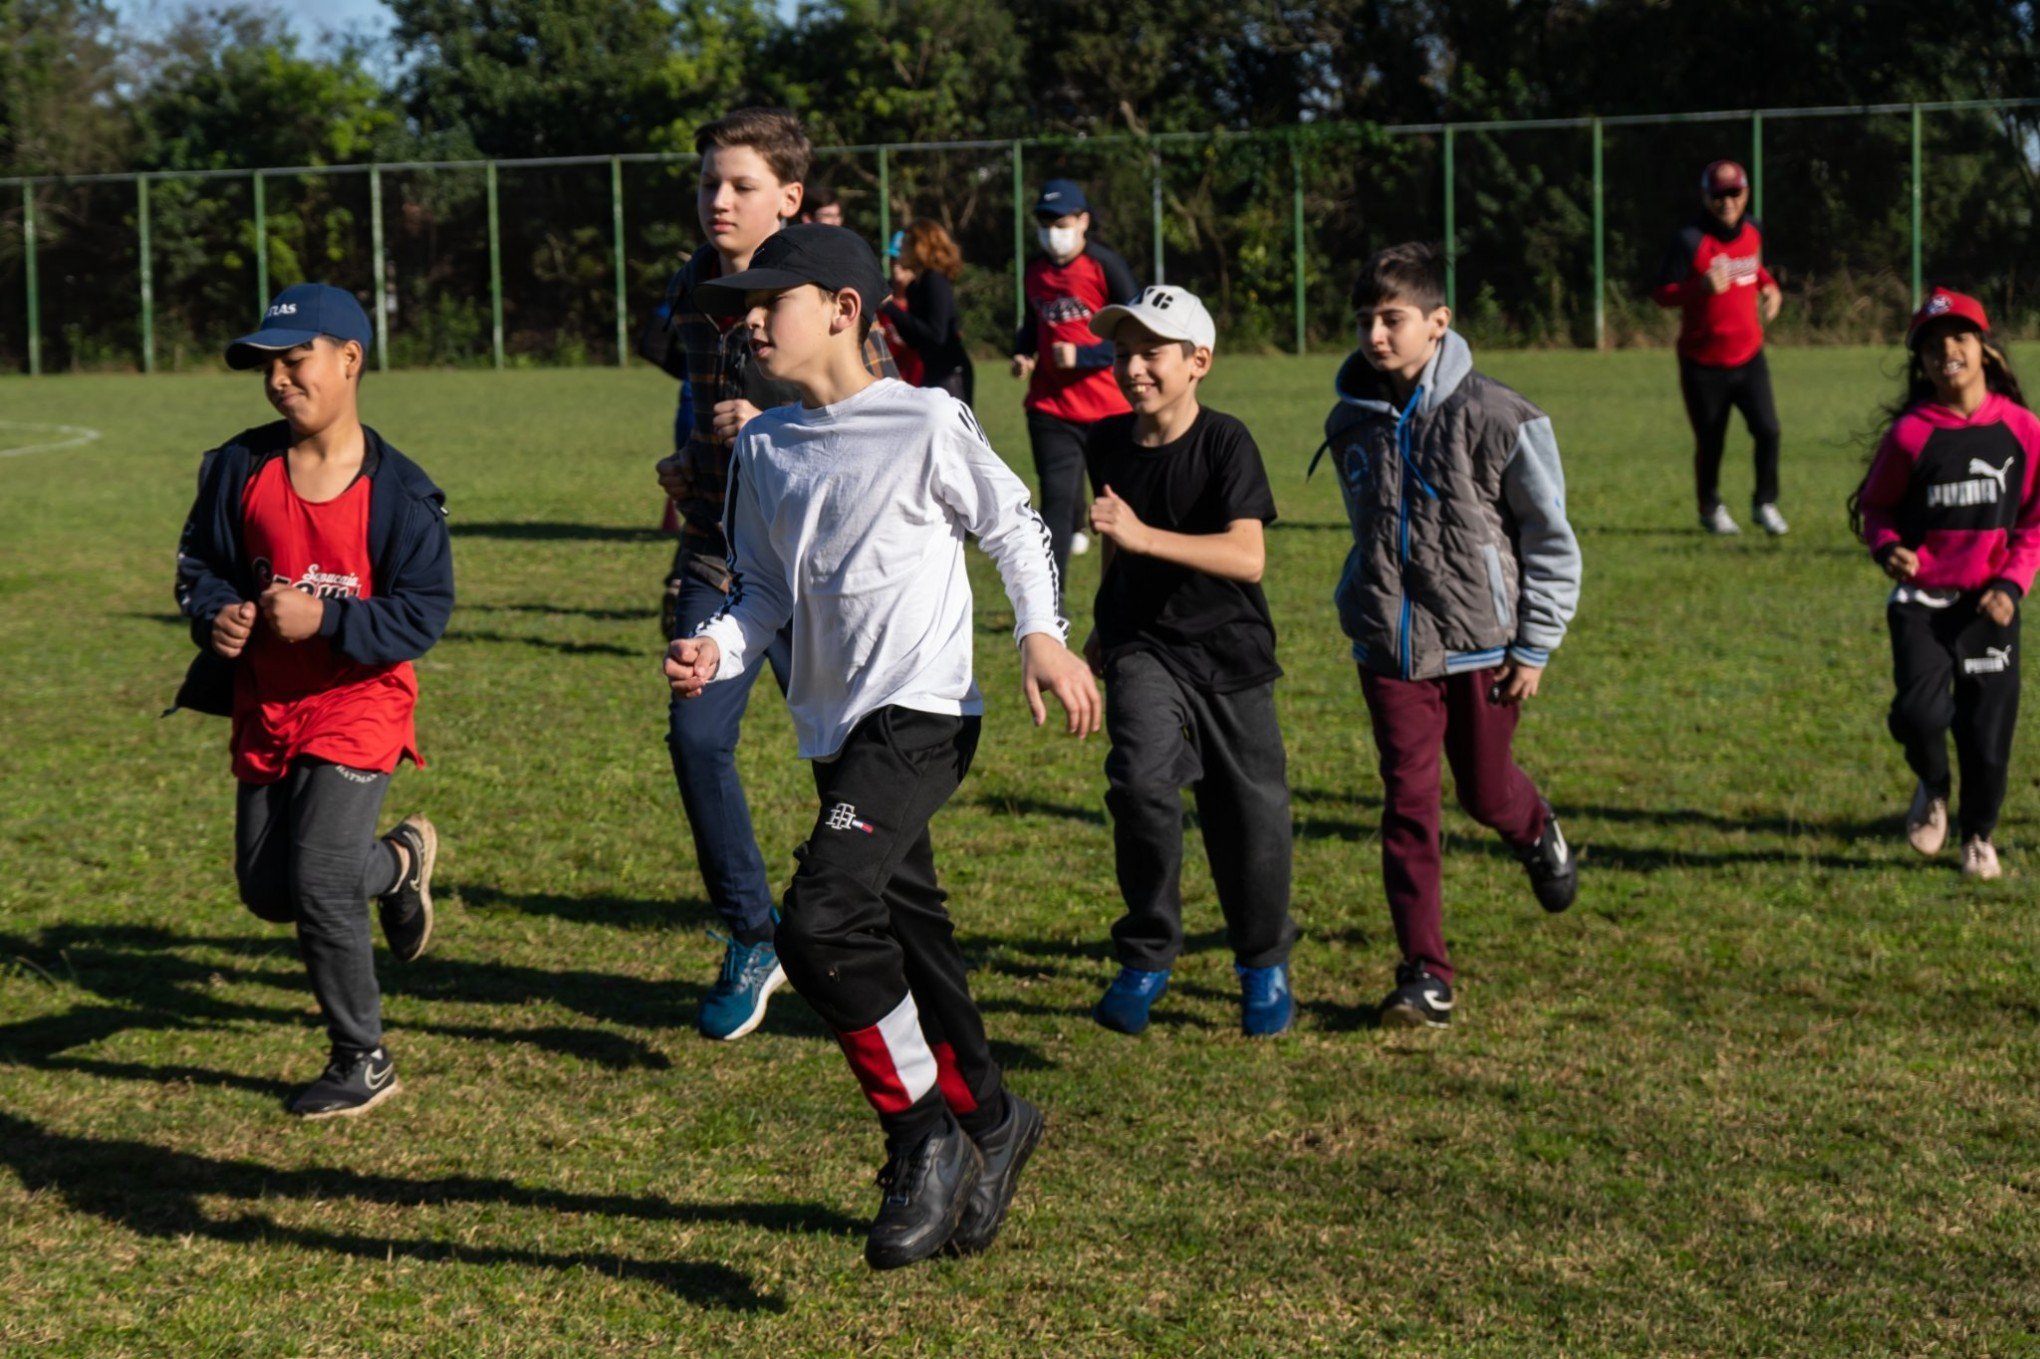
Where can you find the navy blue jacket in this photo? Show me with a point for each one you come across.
(407, 542)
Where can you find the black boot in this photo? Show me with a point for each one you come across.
(927, 1187)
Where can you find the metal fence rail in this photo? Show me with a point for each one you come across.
(1308, 148)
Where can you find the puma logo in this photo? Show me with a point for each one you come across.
(1979, 468)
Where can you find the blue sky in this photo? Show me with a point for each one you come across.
(316, 22)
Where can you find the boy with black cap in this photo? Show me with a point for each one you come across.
(846, 517)
(1068, 368)
(315, 567)
(1187, 650)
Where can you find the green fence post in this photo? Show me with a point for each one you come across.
(1757, 164)
(1155, 193)
(884, 203)
(616, 232)
(382, 272)
(1296, 230)
(261, 247)
(1917, 291)
(495, 269)
(148, 279)
(1019, 236)
(1600, 250)
(1451, 231)
(28, 270)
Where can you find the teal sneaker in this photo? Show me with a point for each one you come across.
(1266, 1005)
(1124, 1006)
(735, 1005)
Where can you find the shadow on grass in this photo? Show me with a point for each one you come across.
(546, 643)
(157, 1192)
(1013, 805)
(627, 913)
(1880, 828)
(554, 532)
(648, 614)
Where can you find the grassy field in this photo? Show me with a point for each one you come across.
(1768, 1089)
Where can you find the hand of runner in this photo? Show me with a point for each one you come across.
(1114, 520)
(1998, 607)
(231, 627)
(1902, 564)
(1065, 354)
(691, 662)
(1046, 664)
(1023, 365)
(1515, 683)
(1717, 274)
(291, 614)
(731, 416)
(673, 474)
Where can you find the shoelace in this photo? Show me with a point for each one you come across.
(737, 958)
(895, 1173)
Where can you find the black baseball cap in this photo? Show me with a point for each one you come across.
(300, 314)
(831, 257)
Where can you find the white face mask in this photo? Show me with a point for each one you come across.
(1058, 241)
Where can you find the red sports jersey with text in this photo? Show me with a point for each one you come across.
(295, 700)
(1061, 300)
(1724, 329)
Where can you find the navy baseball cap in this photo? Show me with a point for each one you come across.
(1060, 198)
(300, 314)
(831, 257)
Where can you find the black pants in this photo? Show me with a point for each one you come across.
(863, 934)
(1953, 667)
(1059, 469)
(1227, 748)
(1710, 394)
(305, 853)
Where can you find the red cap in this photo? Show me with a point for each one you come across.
(1942, 302)
(1723, 176)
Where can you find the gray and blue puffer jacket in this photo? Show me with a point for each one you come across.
(1462, 555)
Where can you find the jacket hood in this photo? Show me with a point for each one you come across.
(1361, 384)
(1941, 417)
(381, 459)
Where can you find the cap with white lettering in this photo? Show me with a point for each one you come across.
(300, 314)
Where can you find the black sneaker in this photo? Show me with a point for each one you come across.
(1554, 871)
(1005, 1148)
(354, 1083)
(927, 1187)
(406, 909)
(1419, 1001)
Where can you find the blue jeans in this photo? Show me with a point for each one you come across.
(702, 738)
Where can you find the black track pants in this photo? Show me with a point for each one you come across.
(1954, 668)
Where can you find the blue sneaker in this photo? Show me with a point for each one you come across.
(1266, 1005)
(735, 1005)
(1124, 1006)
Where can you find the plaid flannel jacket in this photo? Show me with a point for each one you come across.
(719, 368)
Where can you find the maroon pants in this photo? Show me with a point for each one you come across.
(1412, 720)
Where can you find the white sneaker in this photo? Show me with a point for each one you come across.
(1080, 543)
(1979, 859)
(1716, 521)
(1926, 824)
(1769, 520)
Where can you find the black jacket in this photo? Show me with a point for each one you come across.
(407, 541)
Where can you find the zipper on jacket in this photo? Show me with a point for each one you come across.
(1402, 448)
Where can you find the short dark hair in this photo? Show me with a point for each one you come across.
(775, 134)
(820, 194)
(1413, 272)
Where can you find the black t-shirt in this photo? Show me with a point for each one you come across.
(1211, 632)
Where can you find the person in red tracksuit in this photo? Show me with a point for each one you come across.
(1715, 272)
(1068, 369)
(1950, 508)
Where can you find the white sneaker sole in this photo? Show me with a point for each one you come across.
(757, 1016)
(358, 1110)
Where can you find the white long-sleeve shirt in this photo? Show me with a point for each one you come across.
(850, 521)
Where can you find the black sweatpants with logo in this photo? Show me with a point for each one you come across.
(1954, 668)
(1711, 393)
(864, 936)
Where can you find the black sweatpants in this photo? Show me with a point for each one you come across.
(305, 853)
(1227, 748)
(1954, 668)
(863, 934)
(1059, 468)
(1711, 393)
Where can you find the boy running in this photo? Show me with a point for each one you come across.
(846, 518)
(753, 162)
(1462, 577)
(315, 567)
(1187, 650)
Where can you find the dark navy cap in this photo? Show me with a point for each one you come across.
(1060, 198)
(300, 314)
(832, 257)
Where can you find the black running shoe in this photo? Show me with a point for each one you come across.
(927, 1188)
(1005, 1148)
(1419, 1001)
(354, 1082)
(406, 909)
(1554, 870)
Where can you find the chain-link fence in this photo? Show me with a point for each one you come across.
(1554, 231)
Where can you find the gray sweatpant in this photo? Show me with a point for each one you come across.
(305, 853)
(1227, 748)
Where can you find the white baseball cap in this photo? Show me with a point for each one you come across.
(1172, 313)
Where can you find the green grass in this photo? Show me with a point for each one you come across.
(1766, 1090)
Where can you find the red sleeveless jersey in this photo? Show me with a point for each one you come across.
(296, 700)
